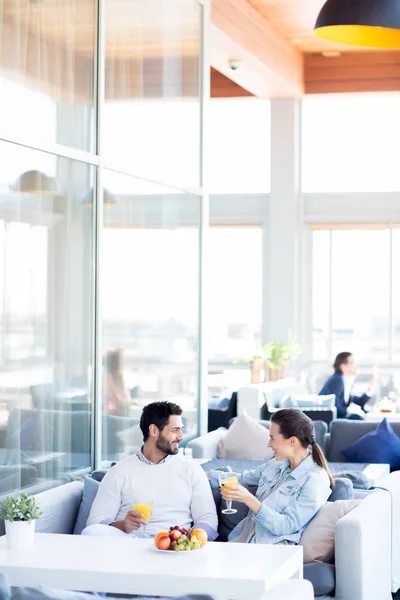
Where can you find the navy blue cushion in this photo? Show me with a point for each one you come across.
(90, 489)
(379, 446)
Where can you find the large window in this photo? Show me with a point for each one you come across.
(356, 293)
(100, 228)
(239, 148)
(46, 247)
(150, 306)
(234, 292)
(350, 143)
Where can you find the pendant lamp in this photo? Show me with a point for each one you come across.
(34, 182)
(108, 199)
(371, 23)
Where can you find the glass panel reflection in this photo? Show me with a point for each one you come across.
(47, 71)
(149, 292)
(152, 112)
(45, 318)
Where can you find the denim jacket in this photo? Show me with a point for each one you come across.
(291, 506)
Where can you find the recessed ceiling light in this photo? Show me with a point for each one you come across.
(331, 53)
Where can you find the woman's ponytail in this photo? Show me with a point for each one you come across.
(319, 459)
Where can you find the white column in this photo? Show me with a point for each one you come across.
(282, 230)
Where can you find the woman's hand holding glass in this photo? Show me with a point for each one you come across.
(236, 494)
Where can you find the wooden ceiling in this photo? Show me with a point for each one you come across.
(135, 28)
(273, 40)
(295, 20)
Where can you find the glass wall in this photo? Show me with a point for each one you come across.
(149, 297)
(99, 229)
(355, 294)
(46, 241)
(240, 146)
(350, 143)
(235, 284)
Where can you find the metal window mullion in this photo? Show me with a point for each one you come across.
(58, 150)
(97, 225)
(204, 87)
(391, 271)
(330, 310)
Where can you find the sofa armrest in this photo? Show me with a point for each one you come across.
(363, 550)
(206, 446)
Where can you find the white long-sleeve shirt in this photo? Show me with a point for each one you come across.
(179, 489)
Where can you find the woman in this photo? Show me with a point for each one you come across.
(292, 486)
(116, 396)
(340, 384)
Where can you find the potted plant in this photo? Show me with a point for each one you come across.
(20, 512)
(278, 356)
(255, 362)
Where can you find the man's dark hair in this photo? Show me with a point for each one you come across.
(158, 414)
(340, 360)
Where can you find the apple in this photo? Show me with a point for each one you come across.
(164, 543)
(174, 535)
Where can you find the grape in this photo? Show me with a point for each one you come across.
(183, 538)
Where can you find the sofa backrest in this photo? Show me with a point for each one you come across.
(344, 432)
(60, 506)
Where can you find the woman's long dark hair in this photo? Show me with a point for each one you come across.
(294, 423)
(340, 360)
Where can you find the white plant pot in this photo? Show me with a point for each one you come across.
(20, 534)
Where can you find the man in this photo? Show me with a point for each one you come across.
(178, 487)
(340, 384)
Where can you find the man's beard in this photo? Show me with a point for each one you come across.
(165, 446)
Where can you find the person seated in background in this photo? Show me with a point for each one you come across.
(177, 488)
(292, 486)
(116, 396)
(340, 384)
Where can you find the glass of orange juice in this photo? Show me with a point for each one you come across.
(145, 508)
(228, 479)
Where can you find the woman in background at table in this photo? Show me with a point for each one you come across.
(292, 486)
(116, 396)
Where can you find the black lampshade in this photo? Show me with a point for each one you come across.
(371, 23)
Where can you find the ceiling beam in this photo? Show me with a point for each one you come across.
(352, 72)
(270, 66)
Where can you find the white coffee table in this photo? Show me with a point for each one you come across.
(134, 566)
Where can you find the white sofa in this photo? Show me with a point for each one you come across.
(363, 540)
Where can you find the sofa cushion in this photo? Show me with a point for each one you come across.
(246, 439)
(60, 506)
(322, 577)
(308, 401)
(343, 490)
(379, 446)
(344, 432)
(318, 539)
(90, 489)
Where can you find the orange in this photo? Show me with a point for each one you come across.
(159, 535)
(201, 536)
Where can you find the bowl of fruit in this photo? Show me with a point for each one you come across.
(178, 540)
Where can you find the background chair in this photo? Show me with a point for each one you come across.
(219, 416)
